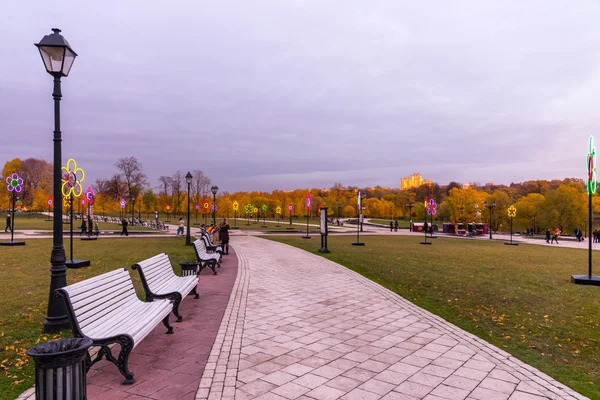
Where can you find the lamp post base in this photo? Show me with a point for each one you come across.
(12, 243)
(511, 243)
(306, 237)
(425, 242)
(77, 263)
(290, 228)
(89, 238)
(358, 244)
(585, 280)
(323, 250)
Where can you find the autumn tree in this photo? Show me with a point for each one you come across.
(134, 177)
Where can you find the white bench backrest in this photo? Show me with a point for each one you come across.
(157, 269)
(201, 249)
(96, 298)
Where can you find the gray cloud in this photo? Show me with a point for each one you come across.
(271, 94)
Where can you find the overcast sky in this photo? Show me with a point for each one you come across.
(285, 94)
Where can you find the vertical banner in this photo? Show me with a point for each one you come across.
(324, 230)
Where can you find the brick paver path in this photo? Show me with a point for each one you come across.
(168, 367)
(300, 326)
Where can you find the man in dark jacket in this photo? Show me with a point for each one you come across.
(124, 224)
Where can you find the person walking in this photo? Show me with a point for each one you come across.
(548, 235)
(181, 228)
(224, 236)
(555, 236)
(96, 229)
(83, 226)
(8, 223)
(124, 224)
(396, 226)
(391, 226)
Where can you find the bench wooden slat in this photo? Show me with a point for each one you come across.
(160, 281)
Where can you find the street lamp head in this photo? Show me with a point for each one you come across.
(188, 178)
(57, 54)
(214, 189)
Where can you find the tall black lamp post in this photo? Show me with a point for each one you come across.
(410, 206)
(214, 191)
(490, 207)
(58, 57)
(188, 240)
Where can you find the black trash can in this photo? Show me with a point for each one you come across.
(60, 369)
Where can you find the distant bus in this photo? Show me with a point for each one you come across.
(462, 229)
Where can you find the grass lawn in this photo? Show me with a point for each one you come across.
(518, 298)
(23, 302)
(401, 223)
(39, 223)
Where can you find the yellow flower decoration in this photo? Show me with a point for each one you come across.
(70, 183)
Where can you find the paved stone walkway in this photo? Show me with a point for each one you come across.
(298, 326)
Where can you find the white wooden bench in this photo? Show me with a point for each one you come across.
(159, 281)
(206, 259)
(210, 246)
(106, 309)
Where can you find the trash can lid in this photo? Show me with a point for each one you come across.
(60, 347)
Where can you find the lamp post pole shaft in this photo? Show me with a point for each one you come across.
(214, 210)
(490, 227)
(188, 240)
(56, 316)
(590, 237)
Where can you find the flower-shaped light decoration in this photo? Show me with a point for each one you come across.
(213, 207)
(246, 208)
(290, 207)
(14, 183)
(255, 210)
(206, 205)
(197, 206)
(431, 207)
(358, 200)
(512, 212)
(308, 200)
(72, 178)
(236, 205)
(591, 167)
(67, 202)
(264, 207)
(168, 207)
(90, 196)
(83, 202)
(278, 210)
(49, 201)
(123, 203)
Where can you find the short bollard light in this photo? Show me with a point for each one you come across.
(60, 370)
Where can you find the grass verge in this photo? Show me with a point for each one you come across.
(23, 302)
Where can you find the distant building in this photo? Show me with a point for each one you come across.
(414, 181)
(466, 185)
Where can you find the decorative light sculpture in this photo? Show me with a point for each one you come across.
(512, 213)
(236, 206)
(589, 279)
(431, 208)
(358, 222)
(72, 176)
(14, 185)
(308, 203)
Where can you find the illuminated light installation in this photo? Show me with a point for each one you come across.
(206, 206)
(278, 212)
(167, 209)
(196, 207)
(308, 205)
(49, 202)
(264, 210)
(255, 211)
(236, 206)
(14, 185)
(71, 188)
(589, 279)
(358, 222)
(247, 209)
(512, 213)
(290, 208)
(431, 208)
(90, 198)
